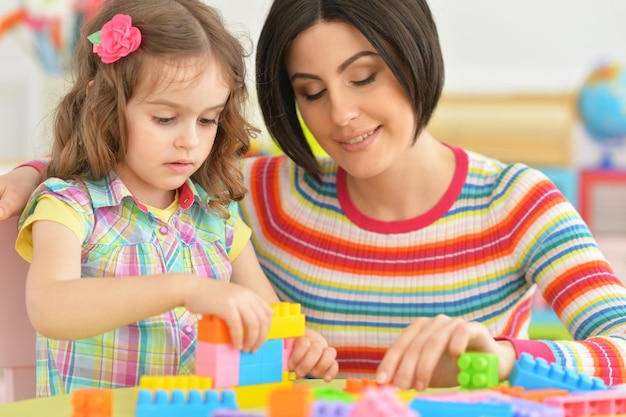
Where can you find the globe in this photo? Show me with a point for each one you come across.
(602, 108)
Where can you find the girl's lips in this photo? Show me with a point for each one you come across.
(179, 167)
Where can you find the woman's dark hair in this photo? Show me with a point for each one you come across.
(402, 31)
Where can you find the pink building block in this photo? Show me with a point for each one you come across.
(219, 361)
(381, 402)
(288, 345)
(596, 403)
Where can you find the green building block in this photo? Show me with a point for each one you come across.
(478, 370)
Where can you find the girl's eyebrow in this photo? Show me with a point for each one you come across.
(180, 106)
(341, 68)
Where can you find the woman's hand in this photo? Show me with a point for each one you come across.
(312, 355)
(15, 189)
(247, 315)
(425, 354)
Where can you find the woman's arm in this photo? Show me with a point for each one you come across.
(16, 187)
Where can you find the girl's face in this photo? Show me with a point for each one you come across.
(350, 99)
(171, 128)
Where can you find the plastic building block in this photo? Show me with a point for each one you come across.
(288, 321)
(252, 396)
(330, 394)
(89, 402)
(525, 408)
(610, 402)
(324, 408)
(193, 403)
(431, 408)
(537, 373)
(356, 386)
(288, 345)
(213, 329)
(381, 402)
(219, 361)
(537, 395)
(172, 382)
(235, 413)
(263, 366)
(295, 401)
(478, 370)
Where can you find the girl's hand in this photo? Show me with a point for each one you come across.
(426, 352)
(247, 315)
(312, 355)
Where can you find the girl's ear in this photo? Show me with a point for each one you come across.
(89, 84)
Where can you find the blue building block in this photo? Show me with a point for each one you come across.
(531, 373)
(192, 403)
(526, 408)
(431, 408)
(263, 366)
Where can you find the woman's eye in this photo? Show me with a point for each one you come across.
(367, 80)
(315, 96)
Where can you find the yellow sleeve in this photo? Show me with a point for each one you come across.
(51, 209)
(241, 237)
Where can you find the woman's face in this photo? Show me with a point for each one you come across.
(350, 99)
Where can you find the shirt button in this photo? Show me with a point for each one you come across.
(188, 329)
(163, 230)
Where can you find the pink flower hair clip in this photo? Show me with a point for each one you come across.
(117, 38)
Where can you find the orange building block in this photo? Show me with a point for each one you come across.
(295, 401)
(355, 386)
(213, 329)
(89, 402)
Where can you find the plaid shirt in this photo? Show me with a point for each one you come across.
(124, 239)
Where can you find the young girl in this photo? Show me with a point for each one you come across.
(135, 231)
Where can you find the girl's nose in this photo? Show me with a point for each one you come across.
(188, 138)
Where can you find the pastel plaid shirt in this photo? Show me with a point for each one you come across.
(123, 238)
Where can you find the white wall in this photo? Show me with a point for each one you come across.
(489, 46)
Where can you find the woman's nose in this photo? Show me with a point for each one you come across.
(343, 109)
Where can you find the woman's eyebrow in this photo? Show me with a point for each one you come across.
(341, 68)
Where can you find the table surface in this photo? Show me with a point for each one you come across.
(123, 403)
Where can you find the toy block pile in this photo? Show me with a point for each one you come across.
(229, 383)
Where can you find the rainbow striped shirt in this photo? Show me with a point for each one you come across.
(499, 232)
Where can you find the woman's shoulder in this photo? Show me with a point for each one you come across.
(485, 168)
(280, 165)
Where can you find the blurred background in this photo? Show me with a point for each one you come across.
(518, 75)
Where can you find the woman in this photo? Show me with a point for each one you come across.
(405, 252)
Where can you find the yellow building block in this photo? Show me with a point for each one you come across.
(288, 321)
(254, 396)
(175, 382)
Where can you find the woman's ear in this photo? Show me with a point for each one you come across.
(89, 85)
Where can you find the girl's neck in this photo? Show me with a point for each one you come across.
(410, 188)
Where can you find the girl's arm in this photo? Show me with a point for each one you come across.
(62, 305)
(311, 354)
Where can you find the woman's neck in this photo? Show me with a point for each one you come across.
(408, 189)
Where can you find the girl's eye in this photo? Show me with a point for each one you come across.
(163, 120)
(208, 121)
(367, 80)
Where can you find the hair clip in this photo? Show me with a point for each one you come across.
(117, 38)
